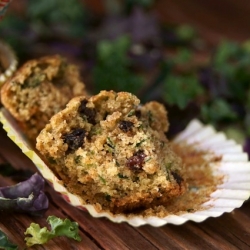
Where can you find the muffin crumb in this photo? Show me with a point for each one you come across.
(113, 152)
(40, 89)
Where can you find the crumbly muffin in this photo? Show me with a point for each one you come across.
(39, 89)
(113, 152)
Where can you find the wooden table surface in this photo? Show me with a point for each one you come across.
(230, 231)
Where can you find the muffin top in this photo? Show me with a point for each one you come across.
(39, 89)
(110, 148)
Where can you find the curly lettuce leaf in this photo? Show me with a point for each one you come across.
(68, 15)
(112, 69)
(26, 196)
(59, 227)
(5, 243)
(141, 3)
(218, 110)
(181, 90)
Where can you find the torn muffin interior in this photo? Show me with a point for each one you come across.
(113, 152)
(39, 89)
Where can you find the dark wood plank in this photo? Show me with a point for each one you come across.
(108, 234)
(214, 20)
(214, 241)
(159, 238)
(178, 237)
(231, 228)
(187, 237)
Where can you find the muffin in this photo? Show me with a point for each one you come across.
(113, 152)
(38, 90)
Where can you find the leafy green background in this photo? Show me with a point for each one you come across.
(217, 91)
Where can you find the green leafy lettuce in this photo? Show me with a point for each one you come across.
(37, 235)
(181, 84)
(218, 110)
(68, 17)
(181, 90)
(142, 3)
(5, 243)
(113, 67)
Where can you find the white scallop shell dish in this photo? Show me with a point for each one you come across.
(229, 194)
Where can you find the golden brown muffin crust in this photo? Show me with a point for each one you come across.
(39, 89)
(107, 150)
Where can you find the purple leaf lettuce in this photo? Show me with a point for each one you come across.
(26, 196)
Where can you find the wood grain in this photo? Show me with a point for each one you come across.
(214, 20)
